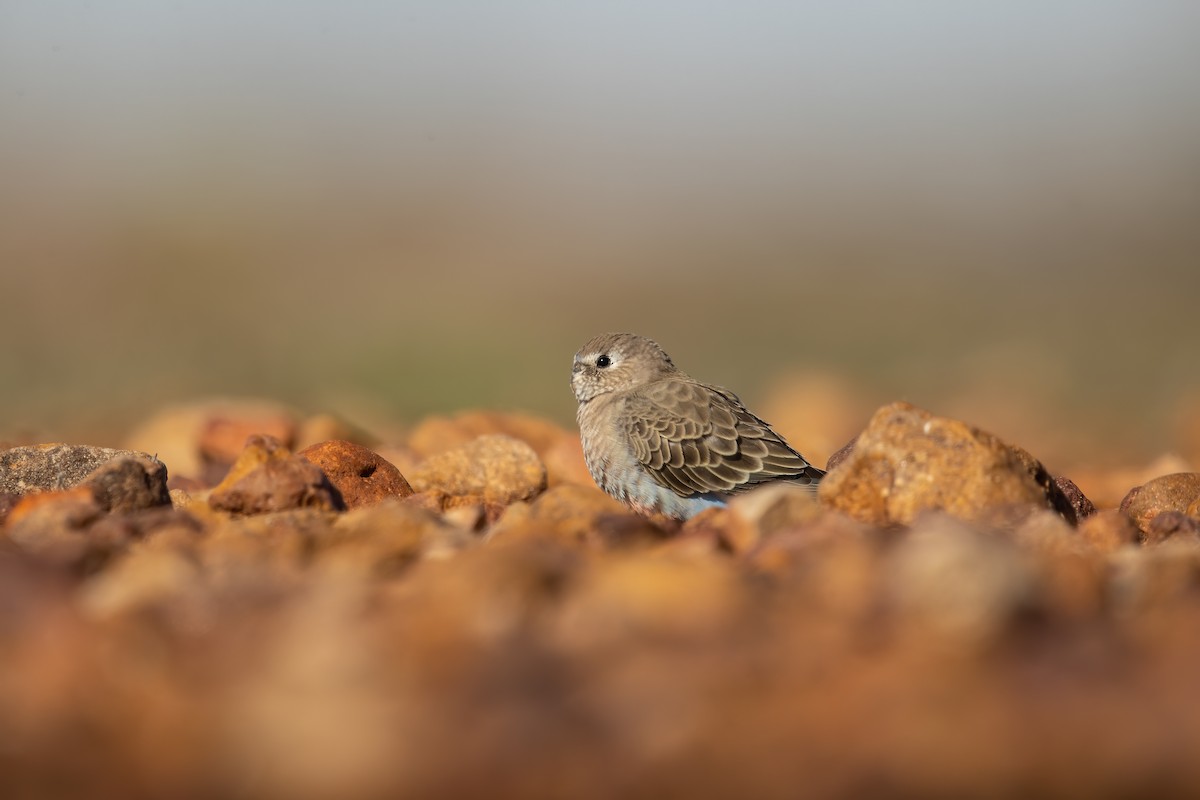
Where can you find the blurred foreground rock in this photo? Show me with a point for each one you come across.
(945, 619)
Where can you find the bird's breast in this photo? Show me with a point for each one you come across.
(605, 450)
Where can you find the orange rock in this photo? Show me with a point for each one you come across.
(750, 518)
(54, 526)
(575, 514)
(1171, 524)
(437, 434)
(908, 461)
(1167, 493)
(498, 468)
(564, 462)
(223, 438)
(360, 476)
(69, 508)
(327, 428)
(267, 478)
(200, 440)
(634, 597)
(148, 579)
(962, 583)
(382, 539)
(1108, 486)
(1109, 530)
(775, 507)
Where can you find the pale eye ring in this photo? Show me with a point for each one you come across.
(603, 361)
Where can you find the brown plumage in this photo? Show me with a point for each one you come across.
(664, 442)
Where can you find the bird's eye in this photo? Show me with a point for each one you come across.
(603, 361)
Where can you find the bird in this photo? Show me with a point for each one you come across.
(664, 443)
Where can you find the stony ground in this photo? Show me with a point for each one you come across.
(285, 607)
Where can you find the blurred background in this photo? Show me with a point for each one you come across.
(392, 209)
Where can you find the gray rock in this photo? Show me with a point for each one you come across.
(52, 467)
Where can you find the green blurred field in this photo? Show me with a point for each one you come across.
(404, 220)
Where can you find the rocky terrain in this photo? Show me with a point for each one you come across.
(246, 602)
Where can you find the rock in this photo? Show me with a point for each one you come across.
(467, 510)
(565, 464)
(791, 550)
(7, 501)
(1175, 492)
(757, 514)
(626, 530)
(775, 507)
(1154, 578)
(123, 501)
(327, 428)
(431, 501)
(437, 434)
(263, 553)
(149, 578)
(224, 436)
(1169, 524)
(382, 539)
(268, 478)
(840, 455)
(200, 440)
(130, 484)
(1080, 507)
(1046, 532)
(1107, 486)
(497, 468)
(470, 510)
(908, 461)
(960, 582)
(52, 467)
(633, 597)
(408, 648)
(1064, 496)
(73, 508)
(469, 517)
(53, 526)
(360, 476)
(574, 514)
(1109, 530)
(1070, 574)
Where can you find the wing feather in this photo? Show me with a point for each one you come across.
(697, 439)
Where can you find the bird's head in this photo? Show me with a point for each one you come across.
(614, 362)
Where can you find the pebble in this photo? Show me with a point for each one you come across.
(503, 633)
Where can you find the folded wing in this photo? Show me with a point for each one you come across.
(698, 439)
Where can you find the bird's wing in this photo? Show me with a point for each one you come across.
(698, 439)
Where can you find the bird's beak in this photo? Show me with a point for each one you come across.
(576, 369)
